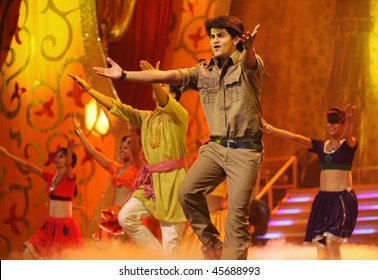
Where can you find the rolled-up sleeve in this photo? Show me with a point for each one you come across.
(256, 74)
(189, 78)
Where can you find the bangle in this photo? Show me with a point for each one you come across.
(123, 75)
(78, 132)
(268, 129)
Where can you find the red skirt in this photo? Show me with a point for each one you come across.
(55, 235)
(109, 226)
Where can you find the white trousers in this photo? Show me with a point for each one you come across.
(130, 217)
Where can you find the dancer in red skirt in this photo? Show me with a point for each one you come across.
(60, 231)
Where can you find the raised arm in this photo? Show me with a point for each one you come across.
(101, 159)
(248, 56)
(29, 166)
(348, 128)
(160, 93)
(69, 168)
(101, 98)
(297, 138)
(115, 72)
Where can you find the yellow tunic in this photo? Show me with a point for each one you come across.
(221, 190)
(163, 134)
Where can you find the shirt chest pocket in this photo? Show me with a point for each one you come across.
(208, 89)
(232, 83)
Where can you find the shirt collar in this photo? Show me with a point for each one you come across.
(231, 60)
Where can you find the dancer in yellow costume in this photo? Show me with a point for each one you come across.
(155, 191)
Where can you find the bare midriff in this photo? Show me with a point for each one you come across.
(120, 195)
(60, 209)
(335, 180)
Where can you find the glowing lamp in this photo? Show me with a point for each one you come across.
(95, 118)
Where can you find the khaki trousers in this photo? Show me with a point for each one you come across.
(241, 169)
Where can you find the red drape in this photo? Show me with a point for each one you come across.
(9, 12)
(146, 39)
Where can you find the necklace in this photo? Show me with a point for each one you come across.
(124, 168)
(55, 181)
(332, 149)
(154, 131)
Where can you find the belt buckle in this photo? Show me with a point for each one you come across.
(231, 144)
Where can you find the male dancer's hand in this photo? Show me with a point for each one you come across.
(249, 38)
(113, 72)
(145, 65)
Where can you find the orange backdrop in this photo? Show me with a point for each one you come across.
(319, 54)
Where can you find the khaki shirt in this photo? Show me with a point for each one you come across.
(230, 96)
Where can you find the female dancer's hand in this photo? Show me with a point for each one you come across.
(70, 144)
(3, 151)
(349, 112)
(80, 82)
(75, 121)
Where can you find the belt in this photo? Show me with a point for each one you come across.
(238, 144)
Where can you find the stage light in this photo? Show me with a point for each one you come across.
(273, 235)
(372, 218)
(300, 199)
(368, 207)
(281, 223)
(288, 211)
(102, 124)
(95, 118)
(364, 231)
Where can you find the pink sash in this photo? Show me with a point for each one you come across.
(144, 176)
